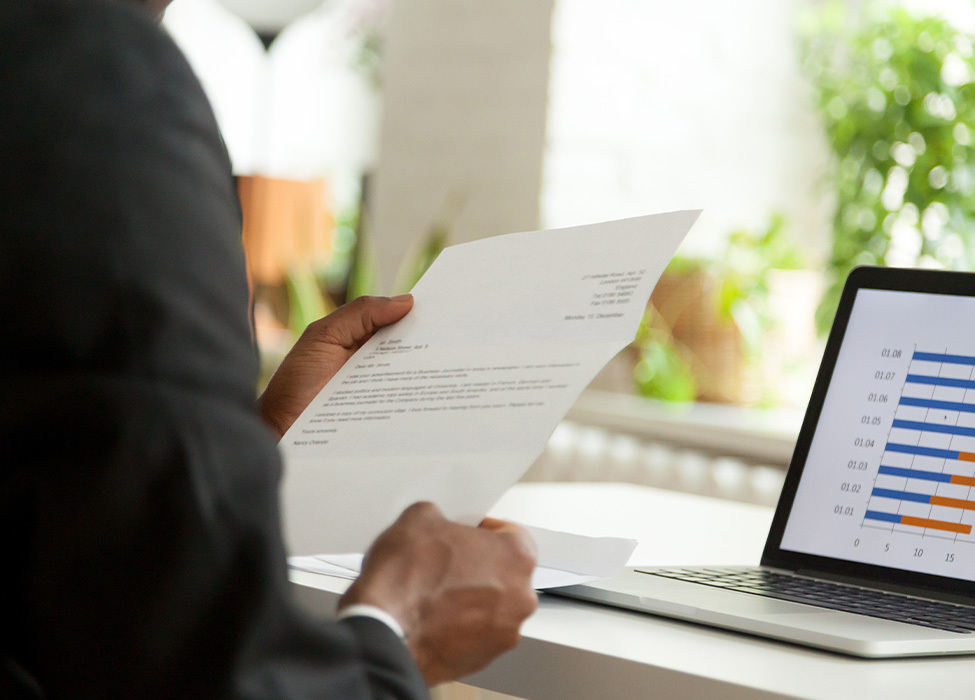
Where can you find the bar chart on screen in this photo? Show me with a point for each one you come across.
(925, 483)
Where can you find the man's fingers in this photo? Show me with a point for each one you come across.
(352, 323)
(376, 312)
(515, 531)
(496, 525)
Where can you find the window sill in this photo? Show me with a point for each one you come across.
(765, 436)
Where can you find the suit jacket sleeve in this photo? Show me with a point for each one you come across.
(138, 491)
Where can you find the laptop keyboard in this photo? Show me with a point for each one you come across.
(833, 596)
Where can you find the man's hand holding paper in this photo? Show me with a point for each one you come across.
(454, 402)
(324, 347)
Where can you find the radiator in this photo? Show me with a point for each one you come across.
(577, 452)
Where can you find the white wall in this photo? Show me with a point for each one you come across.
(665, 105)
(464, 99)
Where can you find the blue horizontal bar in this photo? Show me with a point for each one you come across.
(886, 517)
(941, 381)
(901, 495)
(924, 451)
(944, 405)
(934, 427)
(914, 474)
(940, 357)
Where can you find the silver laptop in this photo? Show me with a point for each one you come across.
(871, 551)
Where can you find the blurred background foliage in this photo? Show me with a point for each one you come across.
(896, 96)
(706, 330)
(895, 93)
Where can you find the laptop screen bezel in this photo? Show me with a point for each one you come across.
(866, 277)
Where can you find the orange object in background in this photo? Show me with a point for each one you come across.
(287, 224)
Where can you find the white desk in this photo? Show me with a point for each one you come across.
(576, 650)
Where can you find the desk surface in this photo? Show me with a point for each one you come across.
(576, 650)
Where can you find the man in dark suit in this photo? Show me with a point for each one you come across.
(139, 519)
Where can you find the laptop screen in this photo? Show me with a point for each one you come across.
(884, 474)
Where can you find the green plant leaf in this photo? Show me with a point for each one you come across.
(306, 303)
(893, 114)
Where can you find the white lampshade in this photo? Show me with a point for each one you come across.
(270, 15)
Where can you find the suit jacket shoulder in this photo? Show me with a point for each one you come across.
(138, 489)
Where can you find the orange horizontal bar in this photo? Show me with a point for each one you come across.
(952, 502)
(936, 524)
(966, 456)
(963, 480)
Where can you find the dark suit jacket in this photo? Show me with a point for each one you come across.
(139, 524)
